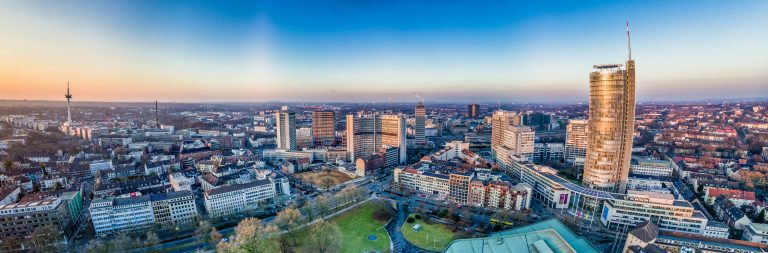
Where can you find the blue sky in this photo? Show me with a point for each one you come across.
(378, 50)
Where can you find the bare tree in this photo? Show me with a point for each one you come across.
(46, 238)
(323, 205)
(152, 240)
(201, 233)
(215, 236)
(325, 237)
(289, 220)
(251, 235)
(327, 182)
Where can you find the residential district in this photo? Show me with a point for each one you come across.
(611, 175)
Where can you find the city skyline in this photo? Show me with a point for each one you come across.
(378, 52)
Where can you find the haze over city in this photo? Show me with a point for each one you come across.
(462, 51)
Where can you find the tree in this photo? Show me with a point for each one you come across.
(46, 238)
(96, 246)
(201, 233)
(215, 236)
(323, 204)
(152, 240)
(325, 237)
(251, 235)
(289, 220)
(8, 165)
(121, 242)
(760, 217)
(327, 182)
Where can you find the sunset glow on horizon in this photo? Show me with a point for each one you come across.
(376, 51)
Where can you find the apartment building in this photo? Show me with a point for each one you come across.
(499, 194)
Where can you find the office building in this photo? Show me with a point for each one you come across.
(324, 128)
(611, 126)
(363, 135)
(500, 121)
(285, 123)
(670, 214)
(393, 134)
(234, 198)
(546, 152)
(473, 111)
(648, 237)
(651, 167)
(174, 208)
(368, 134)
(419, 128)
(576, 139)
(517, 140)
(304, 138)
(112, 215)
(20, 220)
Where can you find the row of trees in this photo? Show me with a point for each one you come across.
(123, 242)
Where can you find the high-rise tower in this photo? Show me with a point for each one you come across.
(324, 128)
(393, 134)
(69, 111)
(286, 128)
(421, 117)
(576, 139)
(611, 125)
(473, 110)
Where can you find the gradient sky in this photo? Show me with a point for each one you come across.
(362, 51)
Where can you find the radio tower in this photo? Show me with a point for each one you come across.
(157, 117)
(69, 98)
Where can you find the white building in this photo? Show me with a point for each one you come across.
(717, 230)
(576, 134)
(112, 215)
(99, 165)
(669, 214)
(425, 182)
(286, 128)
(230, 199)
(174, 208)
(651, 167)
(180, 182)
(756, 232)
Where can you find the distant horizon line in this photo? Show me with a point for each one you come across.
(745, 99)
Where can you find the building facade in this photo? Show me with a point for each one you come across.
(324, 128)
(231, 199)
(285, 125)
(576, 136)
(473, 111)
(419, 128)
(611, 126)
(393, 134)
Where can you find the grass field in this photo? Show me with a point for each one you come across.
(356, 225)
(434, 237)
(319, 178)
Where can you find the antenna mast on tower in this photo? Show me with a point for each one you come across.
(629, 44)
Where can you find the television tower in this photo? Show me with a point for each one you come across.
(69, 99)
(157, 117)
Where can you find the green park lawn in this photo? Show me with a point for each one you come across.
(434, 237)
(356, 225)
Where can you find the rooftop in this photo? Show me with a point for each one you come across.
(545, 236)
